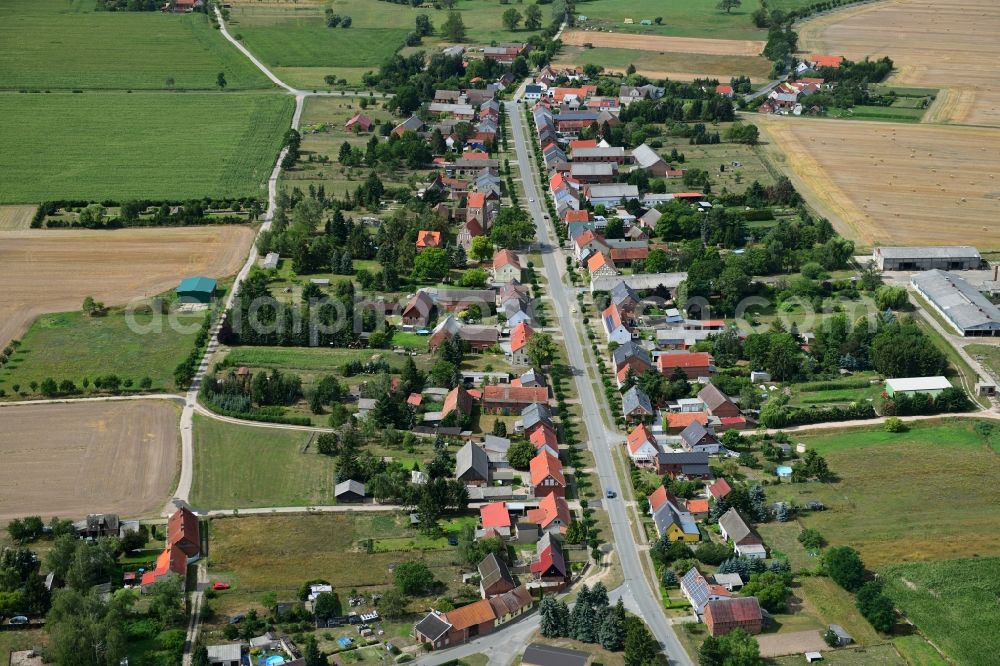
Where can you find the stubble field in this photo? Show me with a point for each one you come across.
(893, 183)
(73, 459)
(53, 270)
(948, 45)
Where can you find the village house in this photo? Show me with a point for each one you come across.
(359, 122)
(747, 543)
(512, 604)
(536, 416)
(547, 475)
(427, 239)
(719, 488)
(552, 514)
(506, 267)
(693, 364)
(674, 423)
(472, 228)
(683, 464)
(519, 338)
(459, 401)
(477, 338)
(600, 172)
(597, 154)
(411, 124)
(642, 446)
(699, 592)
(636, 406)
(615, 328)
(551, 563)
(697, 437)
(718, 403)
(600, 265)
(610, 194)
(648, 159)
(545, 441)
(495, 520)
(510, 399)
(454, 300)
(472, 466)
(725, 615)
(674, 524)
(417, 311)
(629, 356)
(494, 577)
(588, 243)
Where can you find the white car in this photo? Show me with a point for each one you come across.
(573, 310)
(531, 201)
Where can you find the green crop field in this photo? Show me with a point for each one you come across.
(895, 500)
(156, 145)
(71, 345)
(954, 603)
(50, 44)
(307, 358)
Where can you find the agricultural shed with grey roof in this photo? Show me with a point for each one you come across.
(966, 309)
(944, 257)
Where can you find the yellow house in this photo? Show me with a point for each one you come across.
(676, 526)
(510, 605)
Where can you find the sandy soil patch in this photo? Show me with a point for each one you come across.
(53, 270)
(72, 459)
(933, 44)
(893, 183)
(730, 47)
(796, 642)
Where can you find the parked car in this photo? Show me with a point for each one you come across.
(611, 494)
(220, 586)
(18, 619)
(236, 619)
(453, 541)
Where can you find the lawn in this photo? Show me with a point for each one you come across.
(11, 641)
(314, 359)
(71, 345)
(259, 554)
(896, 498)
(856, 388)
(246, 466)
(954, 603)
(121, 146)
(877, 655)
(64, 44)
(896, 113)
(918, 652)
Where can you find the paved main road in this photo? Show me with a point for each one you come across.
(636, 585)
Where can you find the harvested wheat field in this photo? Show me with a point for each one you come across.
(891, 183)
(16, 217)
(53, 270)
(69, 460)
(724, 47)
(953, 45)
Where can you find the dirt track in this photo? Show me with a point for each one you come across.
(953, 44)
(726, 47)
(894, 183)
(73, 459)
(53, 270)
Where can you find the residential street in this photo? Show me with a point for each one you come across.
(636, 585)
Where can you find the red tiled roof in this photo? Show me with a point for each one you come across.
(467, 616)
(731, 420)
(183, 530)
(171, 560)
(542, 437)
(495, 515)
(724, 90)
(545, 465)
(414, 399)
(613, 313)
(501, 393)
(427, 238)
(658, 498)
(550, 508)
(640, 436)
(576, 216)
(720, 488)
(826, 60)
(697, 506)
(629, 253)
(583, 143)
(520, 335)
(458, 398)
(475, 155)
(477, 199)
(689, 360)
(547, 559)
(597, 261)
(684, 419)
(504, 258)
(739, 610)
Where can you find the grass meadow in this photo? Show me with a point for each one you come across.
(71, 345)
(673, 64)
(65, 44)
(156, 145)
(247, 467)
(909, 496)
(954, 603)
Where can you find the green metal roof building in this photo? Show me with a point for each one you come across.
(196, 290)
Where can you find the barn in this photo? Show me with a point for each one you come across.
(198, 289)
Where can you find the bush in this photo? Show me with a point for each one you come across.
(894, 424)
(811, 539)
(712, 554)
(843, 564)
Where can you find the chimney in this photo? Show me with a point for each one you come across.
(996, 269)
